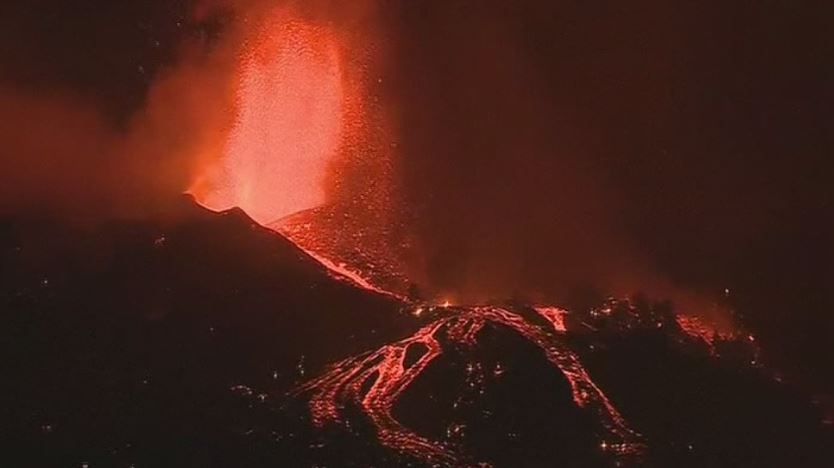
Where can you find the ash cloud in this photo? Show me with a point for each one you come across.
(62, 155)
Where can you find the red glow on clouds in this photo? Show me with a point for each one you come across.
(288, 124)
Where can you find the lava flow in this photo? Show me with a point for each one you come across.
(386, 371)
(386, 366)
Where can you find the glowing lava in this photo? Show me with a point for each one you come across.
(388, 376)
(386, 368)
(296, 112)
(288, 126)
(555, 316)
(702, 330)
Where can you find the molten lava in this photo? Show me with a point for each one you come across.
(288, 127)
(389, 376)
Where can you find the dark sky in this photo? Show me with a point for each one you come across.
(108, 50)
(687, 138)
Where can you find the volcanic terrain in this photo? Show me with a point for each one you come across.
(204, 339)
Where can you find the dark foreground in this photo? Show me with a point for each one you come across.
(180, 343)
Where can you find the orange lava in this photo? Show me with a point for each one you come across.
(343, 383)
(289, 123)
(385, 370)
(343, 272)
(702, 330)
(555, 316)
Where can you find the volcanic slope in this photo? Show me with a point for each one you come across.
(204, 339)
(165, 342)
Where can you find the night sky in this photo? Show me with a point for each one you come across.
(689, 139)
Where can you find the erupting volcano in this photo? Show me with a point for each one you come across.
(423, 234)
(293, 102)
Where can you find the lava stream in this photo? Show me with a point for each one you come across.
(344, 273)
(386, 372)
(344, 380)
(621, 439)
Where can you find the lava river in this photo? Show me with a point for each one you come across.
(386, 372)
(375, 380)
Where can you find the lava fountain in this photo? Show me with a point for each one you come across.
(288, 123)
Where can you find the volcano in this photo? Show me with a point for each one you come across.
(205, 339)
